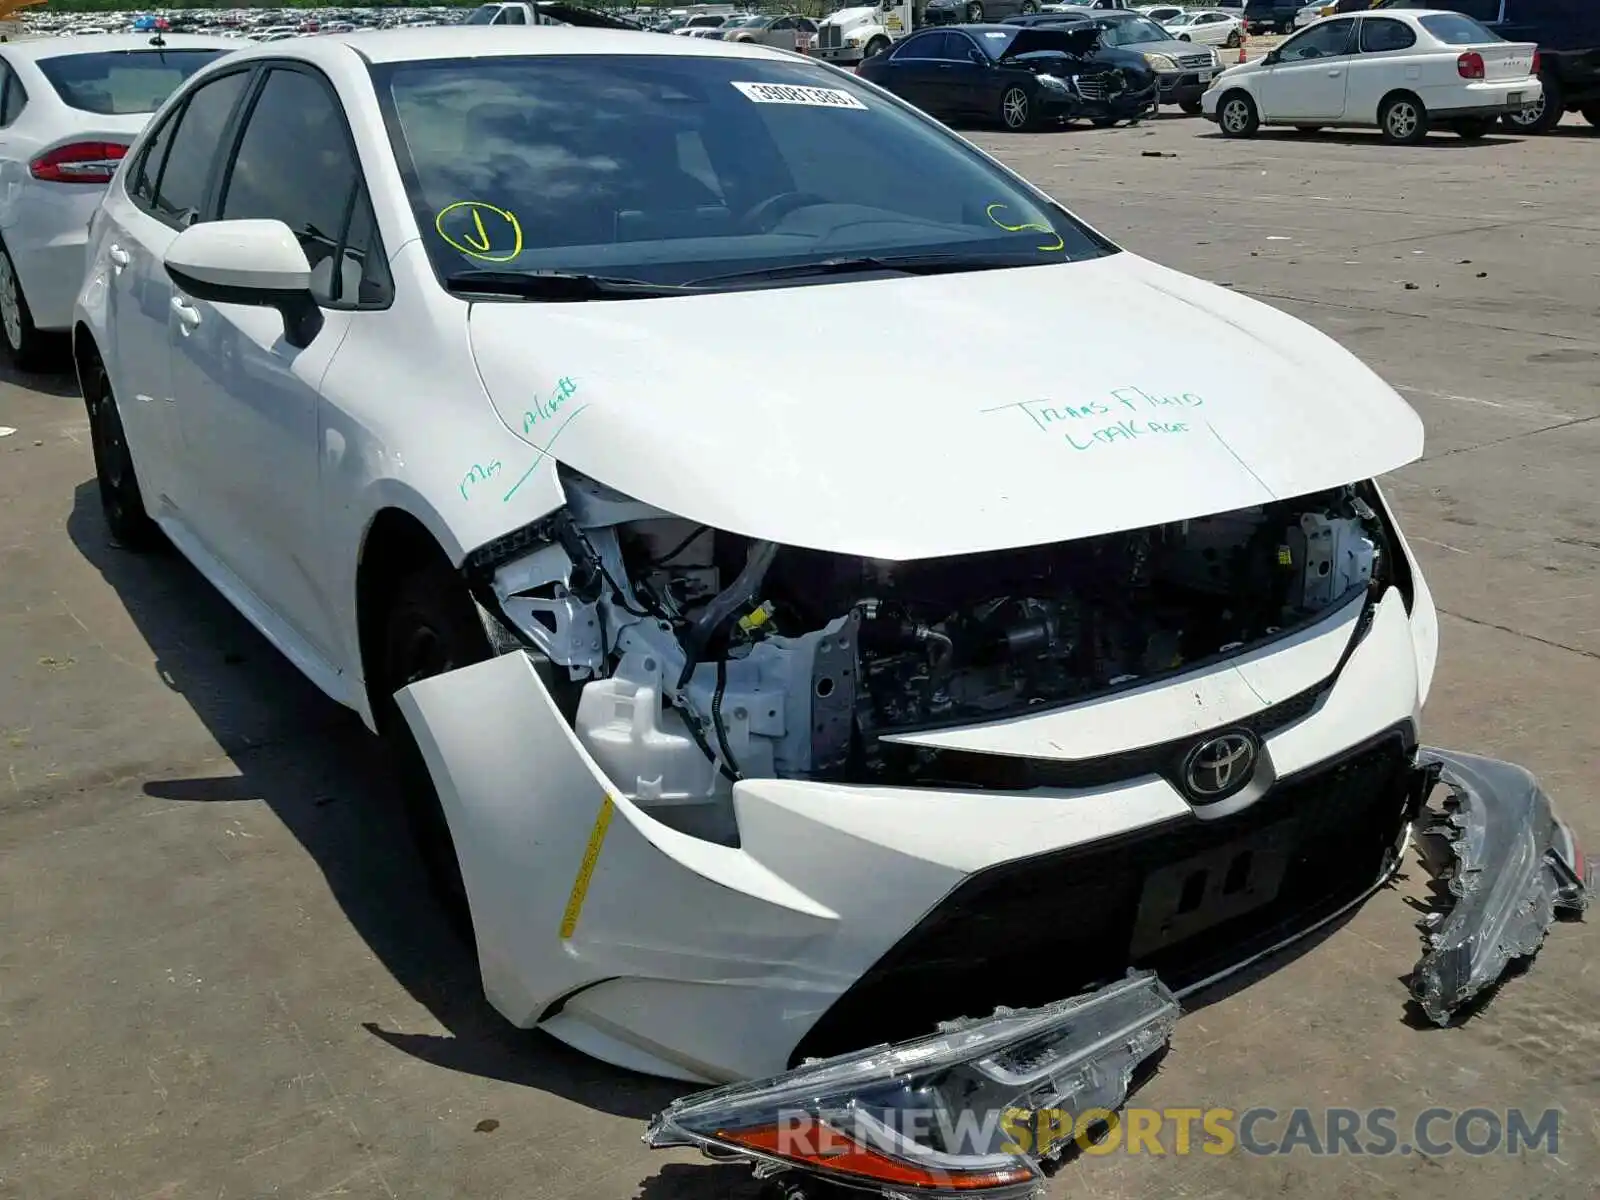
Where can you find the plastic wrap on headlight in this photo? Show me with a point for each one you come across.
(960, 1111)
(1160, 62)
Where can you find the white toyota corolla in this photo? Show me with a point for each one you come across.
(767, 686)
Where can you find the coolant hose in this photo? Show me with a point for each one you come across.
(726, 602)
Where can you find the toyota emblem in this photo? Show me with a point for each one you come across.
(1220, 766)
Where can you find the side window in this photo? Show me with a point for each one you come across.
(15, 97)
(296, 164)
(1381, 34)
(919, 48)
(807, 25)
(783, 24)
(142, 178)
(185, 170)
(959, 47)
(515, 16)
(1320, 41)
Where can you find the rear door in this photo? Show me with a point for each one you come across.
(159, 194)
(913, 70)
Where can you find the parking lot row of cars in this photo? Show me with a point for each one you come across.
(1404, 71)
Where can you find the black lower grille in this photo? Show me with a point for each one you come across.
(1029, 932)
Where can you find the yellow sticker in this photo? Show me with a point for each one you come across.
(480, 230)
(580, 885)
(1061, 243)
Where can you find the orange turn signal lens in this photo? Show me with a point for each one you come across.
(822, 1147)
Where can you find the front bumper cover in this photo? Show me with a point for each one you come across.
(1021, 1086)
(1511, 866)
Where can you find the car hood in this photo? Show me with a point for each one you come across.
(916, 417)
(1168, 46)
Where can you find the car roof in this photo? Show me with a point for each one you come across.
(38, 49)
(502, 41)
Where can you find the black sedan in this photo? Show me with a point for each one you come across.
(1024, 76)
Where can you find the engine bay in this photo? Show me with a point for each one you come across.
(692, 658)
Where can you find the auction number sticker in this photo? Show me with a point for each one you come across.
(787, 93)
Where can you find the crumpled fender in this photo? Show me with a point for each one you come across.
(1511, 865)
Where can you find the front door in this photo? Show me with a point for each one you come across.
(248, 399)
(1311, 75)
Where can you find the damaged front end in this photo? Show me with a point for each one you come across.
(974, 1108)
(1510, 864)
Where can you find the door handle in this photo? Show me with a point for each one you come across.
(188, 314)
(119, 258)
(1335, 73)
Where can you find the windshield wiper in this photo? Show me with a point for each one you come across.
(557, 285)
(904, 264)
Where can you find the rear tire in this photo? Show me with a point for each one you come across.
(1104, 122)
(1470, 129)
(1542, 117)
(432, 627)
(1592, 115)
(27, 347)
(1403, 119)
(120, 497)
(1237, 116)
(1233, 41)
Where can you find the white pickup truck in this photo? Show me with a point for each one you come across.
(543, 12)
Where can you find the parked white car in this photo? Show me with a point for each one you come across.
(1313, 12)
(1207, 27)
(1404, 70)
(69, 107)
(744, 713)
(1161, 13)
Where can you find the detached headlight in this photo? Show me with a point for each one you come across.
(1052, 83)
(968, 1110)
(1161, 62)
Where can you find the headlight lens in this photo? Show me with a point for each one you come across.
(1051, 82)
(953, 1114)
(1161, 62)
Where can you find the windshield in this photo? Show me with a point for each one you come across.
(1132, 31)
(117, 83)
(1453, 29)
(674, 168)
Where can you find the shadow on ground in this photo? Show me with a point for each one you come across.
(320, 771)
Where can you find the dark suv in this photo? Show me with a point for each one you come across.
(1271, 16)
(1568, 36)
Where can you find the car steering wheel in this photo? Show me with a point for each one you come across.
(769, 212)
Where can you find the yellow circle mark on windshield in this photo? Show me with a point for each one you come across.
(1061, 243)
(481, 230)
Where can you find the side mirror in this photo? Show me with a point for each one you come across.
(248, 262)
(1272, 56)
(978, 57)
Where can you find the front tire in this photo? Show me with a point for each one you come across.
(1543, 116)
(1016, 109)
(876, 47)
(1233, 41)
(1403, 120)
(1237, 116)
(1191, 107)
(24, 343)
(432, 627)
(120, 497)
(1592, 115)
